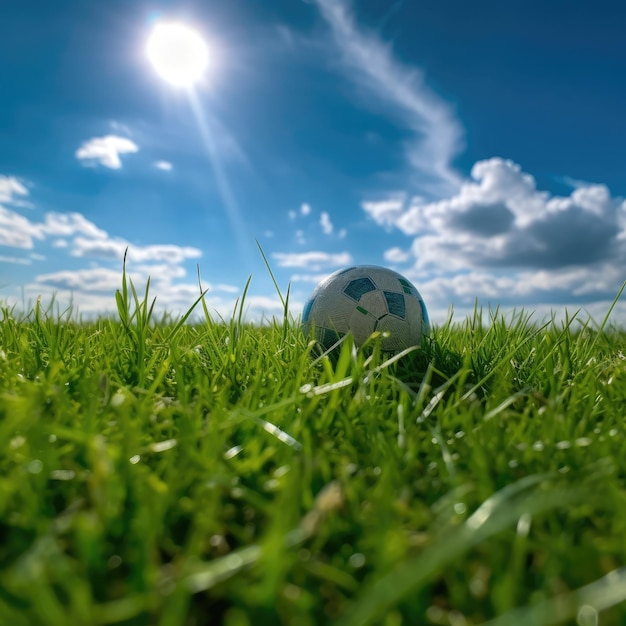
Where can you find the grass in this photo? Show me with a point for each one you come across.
(159, 472)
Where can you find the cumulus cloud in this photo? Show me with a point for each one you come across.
(326, 224)
(106, 151)
(438, 136)
(396, 255)
(10, 187)
(305, 208)
(166, 166)
(313, 260)
(386, 211)
(16, 231)
(69, 224)
(500, 219)
(114, 249)
(500, 238)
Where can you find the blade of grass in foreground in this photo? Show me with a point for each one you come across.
(584, 603)
(495, 514)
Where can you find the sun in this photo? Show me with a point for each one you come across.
(178, 53)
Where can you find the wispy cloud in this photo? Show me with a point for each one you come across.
(326, 224)
(313, 260)
(106, 151)
(114, 248)
(10, 187)
(438, 133)
(166, 166)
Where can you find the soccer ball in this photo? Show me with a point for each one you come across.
(364, 299)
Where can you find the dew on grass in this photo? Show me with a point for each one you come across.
(35, 466)
(162, 446)
(279, 472)
(52, 438)
(271, 485)
(587, 616)
(513, 463)
(582, 442)
(459, 434)
(460, 508)
(292, 592)
(62, 474)
(612, 432)
(17, 442)
(231, 453)
(357, 560)
(118, 399)
(114, 561)
(563, 445)
(134, 459)
(538, 446)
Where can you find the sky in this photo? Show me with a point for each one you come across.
(475, 147)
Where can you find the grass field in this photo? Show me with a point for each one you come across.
(157, 472)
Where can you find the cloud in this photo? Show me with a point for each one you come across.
(313, 261)
(396, 255)
(70, 224)
(166, 166)
(326, 224)
(438, 136)
(500, 239)
(106, 150)
(98, 279)
(15, 260)
(386, 212)
(305, 208)
(114, 249)
(500, 219)
(11, 187)
(16, 231)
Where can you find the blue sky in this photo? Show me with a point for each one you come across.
(478, 148)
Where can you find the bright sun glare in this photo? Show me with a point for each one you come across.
(178, 53)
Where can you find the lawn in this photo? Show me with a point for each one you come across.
(164, 472)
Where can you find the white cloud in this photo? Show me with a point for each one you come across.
(98, 279)
(115, 248)
(386, 212)
(308, 278)
(326, 224)
(396, 255)
(16, 231)
(438, 134)
(292, 215)
(305, 208)
(15, 260)
(106, 150)
(166, 166)
(11, 187)
(314, 260)
(60, 243)
(499, 218)
(69, 224)
(502, 240)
